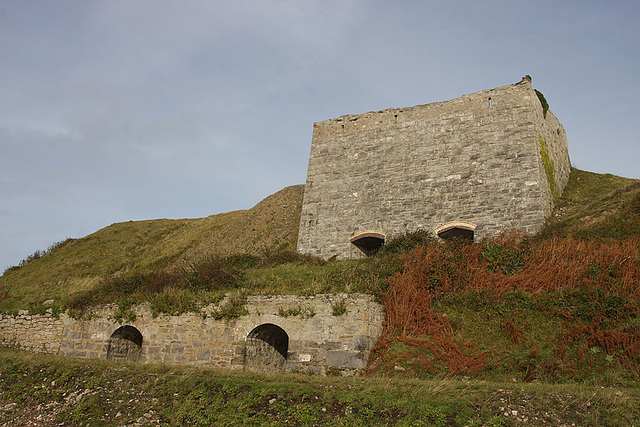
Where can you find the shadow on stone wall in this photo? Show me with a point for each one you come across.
(125, 344)
(266, 349)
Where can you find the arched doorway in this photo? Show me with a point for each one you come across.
(369, 242)
(456, 230)
(266, 349)
(125, 344)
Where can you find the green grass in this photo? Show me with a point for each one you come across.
(260, 243)
(595, 205)
(542, 320)
(55, 390)
(142, 247)
(180, 265)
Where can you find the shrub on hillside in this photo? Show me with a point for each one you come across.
(406, 242)
(160, 288)
(591, 287)
(274, 257)
(39, 254)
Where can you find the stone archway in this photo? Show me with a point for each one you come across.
(368, 241)
(266, 349)
(456, 230)
(125, 344)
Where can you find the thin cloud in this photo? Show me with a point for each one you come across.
(117, 110)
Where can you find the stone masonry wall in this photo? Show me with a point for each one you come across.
(551, 131)
(474, 159)
(318, 338)
(34, 332)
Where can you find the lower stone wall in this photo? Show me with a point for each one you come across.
(310, 334)
(34, 332)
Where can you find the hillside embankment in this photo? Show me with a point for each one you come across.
(547, 326)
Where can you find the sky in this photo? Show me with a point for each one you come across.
(118, 110)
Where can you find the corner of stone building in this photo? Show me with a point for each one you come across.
(554, 165)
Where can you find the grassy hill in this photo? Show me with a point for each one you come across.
(547, 326)
(597, 206)
(593, 206)
(139, 247)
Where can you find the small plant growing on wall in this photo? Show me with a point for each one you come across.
(339, 307)
(290, 312)
(543, 101)
(303, 312)
(124, 313)
(232, 307)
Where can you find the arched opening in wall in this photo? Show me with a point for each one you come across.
(369, 242)
(125, 344)
(456, 230)
(266, 349)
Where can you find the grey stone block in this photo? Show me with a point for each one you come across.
(344, 359)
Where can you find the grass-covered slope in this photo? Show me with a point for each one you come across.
(44, 390)
(562, 306)
(597, 206)
(117, 263)
(140, 247)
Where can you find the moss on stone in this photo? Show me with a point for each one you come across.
(548, 167)
(543, 101)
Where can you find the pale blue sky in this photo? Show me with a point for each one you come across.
(117, 110)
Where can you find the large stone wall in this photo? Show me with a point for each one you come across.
(475, 160)
(316, 334)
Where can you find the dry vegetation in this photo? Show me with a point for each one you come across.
(554, 309)
(150, 247)
(541, 330)
(51, 391)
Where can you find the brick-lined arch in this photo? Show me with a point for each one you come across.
(368, 241)
(456, 230)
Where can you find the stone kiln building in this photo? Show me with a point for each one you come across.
(470, 167)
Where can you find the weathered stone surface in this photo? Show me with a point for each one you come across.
(38, 332)
(474, 159)
(195, 339)
(344, 359)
